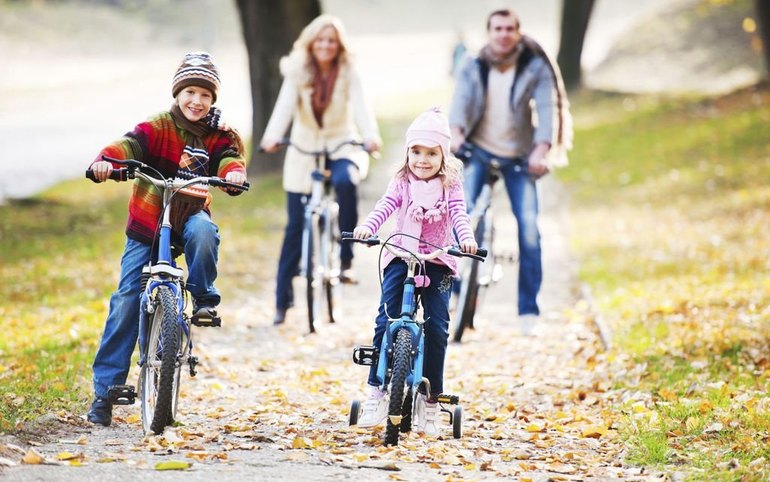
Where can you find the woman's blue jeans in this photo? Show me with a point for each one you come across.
(345, 178)
(435, 303)
(121, 329)
(522, 192)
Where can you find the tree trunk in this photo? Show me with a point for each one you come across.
(575, 15)
(762, 9)
(269, 30)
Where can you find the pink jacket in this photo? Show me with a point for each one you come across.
(397, 197)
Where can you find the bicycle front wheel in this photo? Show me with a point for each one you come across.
(159, 376)
(311, 243)
(332, 265)
(402, 361)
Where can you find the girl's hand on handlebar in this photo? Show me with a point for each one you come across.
(234, 177)
(362, 233)
(102, 170)
(469, 247)
(270, 145)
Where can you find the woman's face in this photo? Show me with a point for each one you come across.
(326, 46)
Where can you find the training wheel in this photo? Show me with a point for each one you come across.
(457, 422)
(355, 409)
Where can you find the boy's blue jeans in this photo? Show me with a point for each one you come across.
(522, 192)
(435, 302)
(201, 247)
(344, 178)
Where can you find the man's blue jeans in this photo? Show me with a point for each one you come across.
(435, 302)
(522, 192)
(344, 178)
(201, 247)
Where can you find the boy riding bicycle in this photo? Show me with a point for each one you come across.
(186, 141)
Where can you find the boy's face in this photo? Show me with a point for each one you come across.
(195, 102)
(424, 162)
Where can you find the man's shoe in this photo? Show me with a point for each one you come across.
(280, 316)
(100, 412)
(528, 323)
(374, 411)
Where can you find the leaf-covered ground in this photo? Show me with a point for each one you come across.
(273, 402)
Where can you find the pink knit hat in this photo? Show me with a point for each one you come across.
(430, 129)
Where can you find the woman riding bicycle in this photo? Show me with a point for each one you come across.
(426, 194)
(323, 95)
(186, 141)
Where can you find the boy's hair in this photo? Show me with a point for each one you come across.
(198, 69)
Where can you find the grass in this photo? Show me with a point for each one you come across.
(669, 215)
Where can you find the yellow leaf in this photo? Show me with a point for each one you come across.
(469, 466)
(299, 443)
(66, 456)
(32, 458)
(533, 427)
(173, 465)
(705, 406)
(134, 418)
(668, 395)
(594, 431)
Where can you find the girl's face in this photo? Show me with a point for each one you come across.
(424, 162)
(326, 46)
(195, 102)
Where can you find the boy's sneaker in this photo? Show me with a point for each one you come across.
(426, 414)
(374, 410)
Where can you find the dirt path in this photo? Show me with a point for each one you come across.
(272, 402)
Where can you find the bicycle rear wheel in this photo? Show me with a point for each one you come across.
(311, 243)
(402, 361)
(159, 376)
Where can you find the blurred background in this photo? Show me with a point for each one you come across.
(80, 73)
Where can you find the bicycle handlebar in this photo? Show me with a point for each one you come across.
(480, 255)
(285, 142)
(132, 165)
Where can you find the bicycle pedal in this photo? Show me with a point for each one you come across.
(215, 321)
(447, 398)
(365, 355)
(121, 394)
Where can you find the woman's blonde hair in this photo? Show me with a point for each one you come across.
(299, 61)
(451, 170)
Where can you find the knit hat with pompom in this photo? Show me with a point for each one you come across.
(196, 69)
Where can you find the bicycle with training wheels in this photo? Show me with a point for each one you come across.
(165, 328)
(473, 275)
(320, 263)
(400, 357)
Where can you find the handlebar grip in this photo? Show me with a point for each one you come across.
(480, 255)
(482, 252)
(115, 175)
(222, 183)
(348, 236)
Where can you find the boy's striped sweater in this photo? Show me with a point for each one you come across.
(159, 142)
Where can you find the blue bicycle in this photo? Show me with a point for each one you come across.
(399, 359)
(165, 335)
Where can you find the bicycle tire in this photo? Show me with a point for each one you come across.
(406, 411)
(313, 285)
(469, 291)
(402, 358)
(160, 372)
(333, 263)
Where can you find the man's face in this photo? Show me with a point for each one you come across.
(503, 34)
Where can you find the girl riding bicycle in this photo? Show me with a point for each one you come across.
(426, 194)
(323, 96)
(185, 141)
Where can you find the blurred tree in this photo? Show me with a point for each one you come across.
(269, 30)
(575, 15)
(762, 8)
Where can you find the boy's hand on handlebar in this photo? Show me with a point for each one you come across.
(362, 233)
(469, 247)
(102, 170)
(234, 177)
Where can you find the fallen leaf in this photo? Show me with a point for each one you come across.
(173, 465)
(32, 457)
